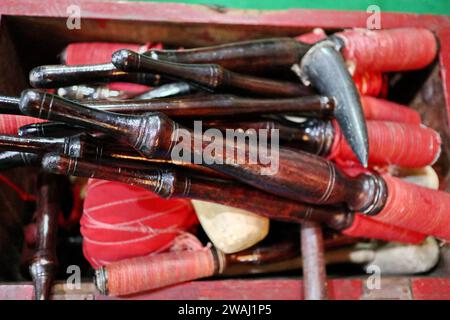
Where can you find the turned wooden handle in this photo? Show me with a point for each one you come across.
(389, 50)
(169, 183)
(211, 76)
(44, 262)
(220, 105)
(13, 159)
(34, 145)
(253, 55)
(49, 129)
(291, 174)
(313, 135)
(54, 76)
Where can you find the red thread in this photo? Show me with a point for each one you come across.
(384, 110)
(121, 221)
(402, 144)
(23, 195)
(366, 227)
(389, 50)
(10, 124)
(146, 273)
(416, 208)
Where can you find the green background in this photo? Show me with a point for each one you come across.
(411, 6)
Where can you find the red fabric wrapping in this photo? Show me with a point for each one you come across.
(10, 124)
(147, 273)
(121, 221)
(402, 144)
(384, 110)
(100, 52)
(389, 50)
(373, 84)
(416, 208)
(366, 227)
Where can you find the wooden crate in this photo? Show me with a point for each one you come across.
(34, 32)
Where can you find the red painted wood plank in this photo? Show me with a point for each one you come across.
(270, 289)
(345, 289)
(431, 289)
(177, 12)
(267, 289)
(17, 291)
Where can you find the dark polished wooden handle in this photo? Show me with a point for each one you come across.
(54, 76)
(33, 145)
(170, 183)
(298, 175)
(220, 105)
(8, 105)
(313, 135)
(43, 265)
(211, 76)
(49, 129)
(14, 159)
(253, 55)
(51, 107)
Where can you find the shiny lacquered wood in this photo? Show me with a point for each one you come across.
(254, 55)
(9, 105)
(25, 150)
(55, 76)
(14, 159)
(205, 105)
(209, 76)
(44, 263)
(170, 183)
(313, 135)
(314, 273)
(300, 176)
(219, 105)
(68, 145)
(48, 129)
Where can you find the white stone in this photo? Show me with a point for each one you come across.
(230, 229)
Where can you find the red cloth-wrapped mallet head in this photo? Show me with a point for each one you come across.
(152, 272)
(121, 221)
(402, 144)
(416, 208)
(366, 227)
(389, 50)
(384, 110)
